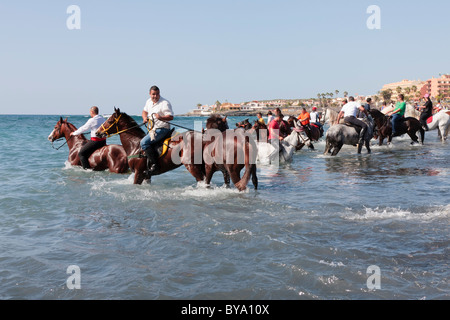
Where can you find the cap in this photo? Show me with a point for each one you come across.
(314, 108)
(426, 95)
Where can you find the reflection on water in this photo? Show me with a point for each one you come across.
(368, 167)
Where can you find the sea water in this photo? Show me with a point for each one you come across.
(314, 229)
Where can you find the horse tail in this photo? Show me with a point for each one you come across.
(250, 168)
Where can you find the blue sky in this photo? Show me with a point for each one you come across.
(203, 51)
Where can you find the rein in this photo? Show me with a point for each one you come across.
(116, 121)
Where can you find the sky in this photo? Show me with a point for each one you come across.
(202, 51)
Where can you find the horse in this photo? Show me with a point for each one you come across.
(340, 134)
(178, 152)
(440, 121)
(314, 133)
(261, 130)
(409, 126)
(245, 124)
(330, 116)
(268, 152)
(112, 157)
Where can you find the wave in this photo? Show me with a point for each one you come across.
(402, 214)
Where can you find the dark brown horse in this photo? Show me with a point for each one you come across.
(229, 151)
(184, 149)
(261, 130)
(112, 157)
(383, 127)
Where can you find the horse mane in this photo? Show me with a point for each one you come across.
(212, 120)
(132, 123)
(376, 112)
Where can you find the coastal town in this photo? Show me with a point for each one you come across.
(413, 90)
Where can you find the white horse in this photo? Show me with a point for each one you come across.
(440, 121)
(330, 116)
(341, 134)
(270, 153)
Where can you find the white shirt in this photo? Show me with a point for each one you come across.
(314, 116)
(351, 109)
(163, 108)
(92, 124)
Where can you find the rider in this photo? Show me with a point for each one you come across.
(304, 119)
(160, 111)
(314, 116)
(427, 111)
(349, 112)
(274, 128)
(260, 118)
(95, 143)
(398, 114)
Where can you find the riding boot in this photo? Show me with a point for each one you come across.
(152, 160)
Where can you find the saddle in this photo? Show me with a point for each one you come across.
(160, 147)
(357, 128)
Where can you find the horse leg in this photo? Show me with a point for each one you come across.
(139, 177)
(413, 136)
(368, 147)
(360, 148)
(337, 148)
(254, 177)
(196, 172)
(327, 147)
(209, 171)
(226, 177)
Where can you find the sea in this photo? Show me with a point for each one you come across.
(351, 227)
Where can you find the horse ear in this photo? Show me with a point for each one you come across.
(61, 119)
(65, 120)
(117, 110)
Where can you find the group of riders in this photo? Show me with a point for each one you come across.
(161, 113)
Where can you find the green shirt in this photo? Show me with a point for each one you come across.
(402, 107)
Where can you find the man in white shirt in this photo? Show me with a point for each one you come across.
(349, 111)
(95, 143)
(159, 110)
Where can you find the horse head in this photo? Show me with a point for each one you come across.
(217, 122)
(293, 123)
(245, 124)
(111, 125)
(57, 132)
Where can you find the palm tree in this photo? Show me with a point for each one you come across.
(345, 93)
(337, 92)
(399, 89)
(386, 94)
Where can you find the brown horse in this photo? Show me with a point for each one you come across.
(184, 149)
(112, 157)
(261, 130)
(383, 128)
(229, 152)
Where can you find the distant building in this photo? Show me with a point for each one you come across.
(438, 86)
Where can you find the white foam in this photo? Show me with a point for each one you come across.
(395, 213)
(332, 263)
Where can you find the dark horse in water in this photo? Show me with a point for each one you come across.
(184, 149)
(383, 127)
(112, 157)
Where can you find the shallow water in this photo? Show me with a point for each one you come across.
(310, 231)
